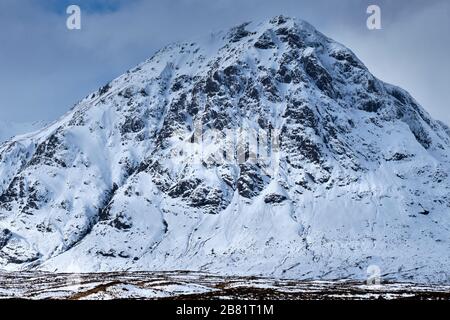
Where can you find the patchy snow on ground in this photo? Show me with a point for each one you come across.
(194, 285)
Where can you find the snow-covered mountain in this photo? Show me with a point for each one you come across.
(269, 149)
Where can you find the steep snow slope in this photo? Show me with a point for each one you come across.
(269, 149)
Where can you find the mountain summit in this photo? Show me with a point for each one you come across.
(269, 149)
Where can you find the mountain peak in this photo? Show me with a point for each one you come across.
(269, 149)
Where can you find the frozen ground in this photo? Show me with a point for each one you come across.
(193, 285)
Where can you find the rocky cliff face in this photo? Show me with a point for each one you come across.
(269, 149)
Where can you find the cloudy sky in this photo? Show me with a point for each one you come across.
(45, 68)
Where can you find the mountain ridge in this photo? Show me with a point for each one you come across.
(269, 149)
